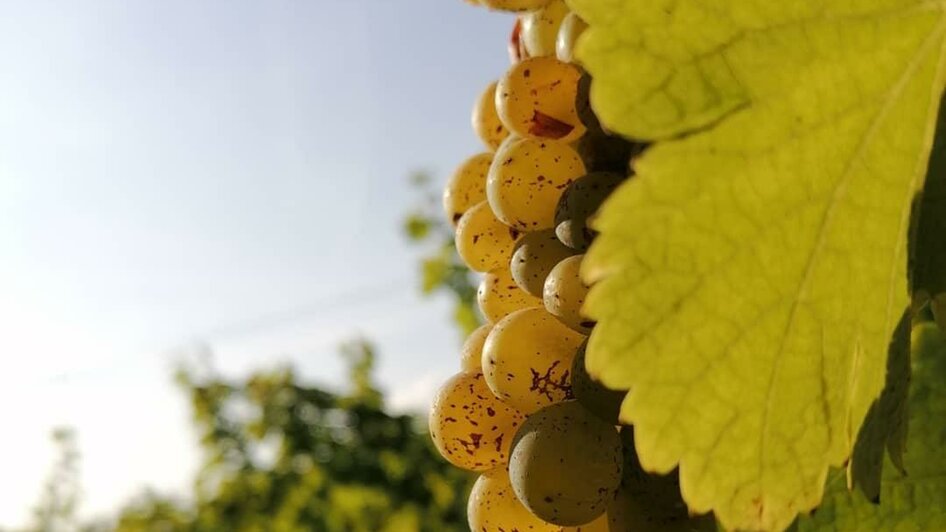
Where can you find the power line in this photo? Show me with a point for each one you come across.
(357, 297)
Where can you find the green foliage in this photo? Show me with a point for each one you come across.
(283, 456)
(885, 427)
(56, 510)
(750, 277)
(441, 268)
(910, 497)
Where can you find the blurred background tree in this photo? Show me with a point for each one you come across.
(441, 269)
(281, 455)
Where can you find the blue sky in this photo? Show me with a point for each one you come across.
(181, 171)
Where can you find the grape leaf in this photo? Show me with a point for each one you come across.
(911, 500)
(748, 280)
(885, 426)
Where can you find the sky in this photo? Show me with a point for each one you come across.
(228, 173)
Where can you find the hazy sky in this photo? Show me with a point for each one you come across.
(227, 171)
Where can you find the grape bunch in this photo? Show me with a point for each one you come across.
(523, 411)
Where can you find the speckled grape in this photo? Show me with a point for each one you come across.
(598, 399)
(498, 296)
(535, 256)
(527, 179)
(578, 203)
(566, 464)
(537, 98)
(471, 354)
(466, 187)
(483, 242)
(470, 427)
(514, 5)
(527, 359)
(564, 294)
(486, 123)
(493, 507)
(569, 30)
(540, 28)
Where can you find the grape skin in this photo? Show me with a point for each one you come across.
(514, 5)
(570, 29)
(579, 203)
(483, 242)
(535, 256)
(537, 98)
(493, 507)
(540, 28)
(471, 354)
(566, 464)
(565, 293)
(594, 396)
(466, 187)
(526, 180)
(527, 359)
(498, 296)
(470, 427)
(486, 123)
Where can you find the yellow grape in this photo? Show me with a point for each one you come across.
(527, 179)
(483, 242)
(514, 5)
(467, 186)
(540, 28)
(566, 464)
(486, 123)
(527, 359)
(470, 427)
(471, 354)
(498, 296)
(493, 507)
(571, 28)
(535, 256)
(537, 98)
(564, 294)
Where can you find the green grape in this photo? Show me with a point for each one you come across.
(566, 464)
(540, 28)
(571, 28)
(498, 296)
(565, 293)
(514, 5)
(483, 242)
(467, 186)
(598, 399)
(606, 153)
(535, 256)
(537, 98)
(493, 507)
(579, 202)
(470, 427)
(527, 178)
(598, 525)
(486, 123)
(471, 354)
(651, 503)
(527, 359)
